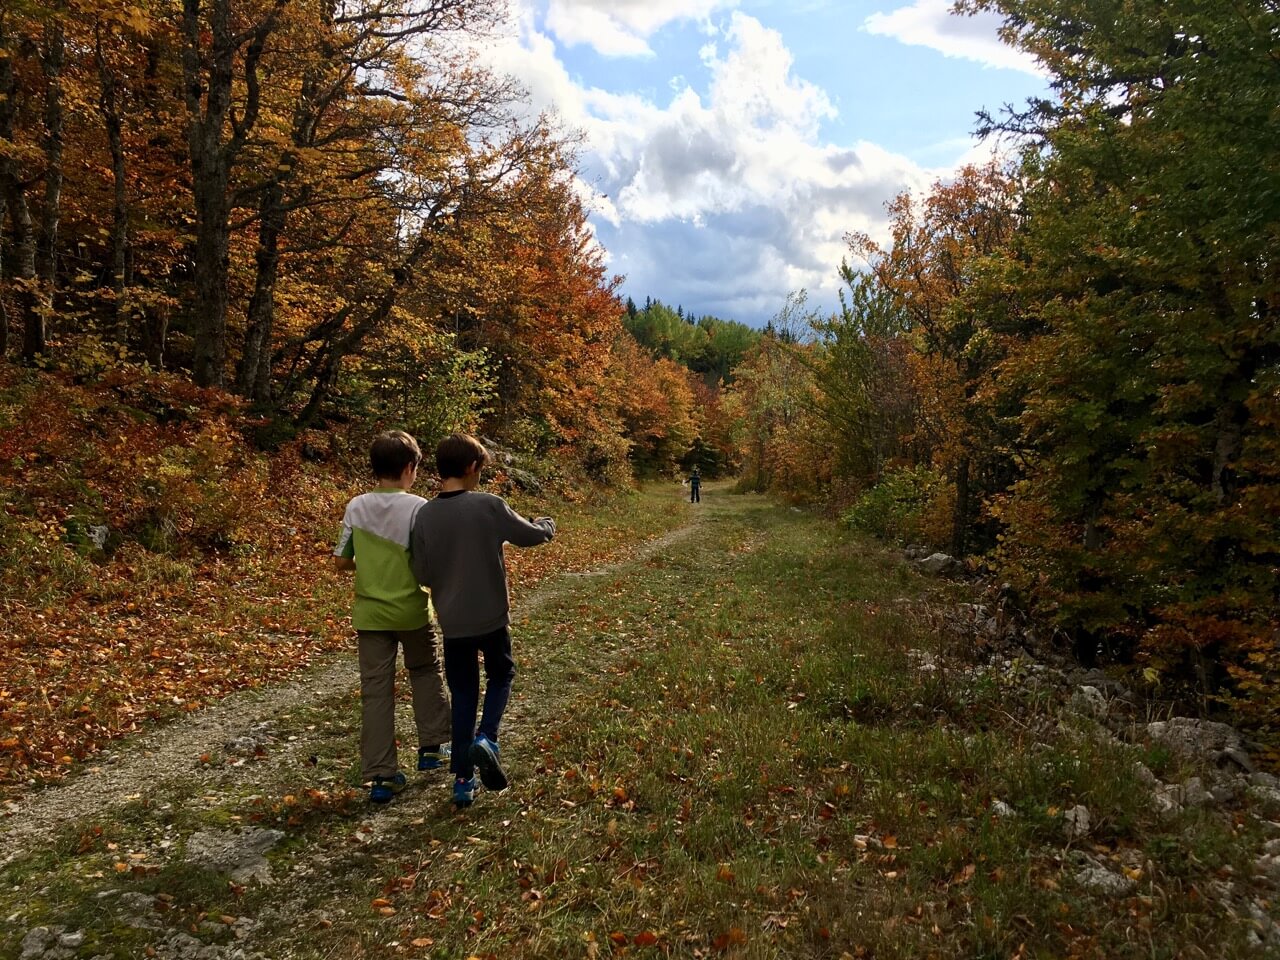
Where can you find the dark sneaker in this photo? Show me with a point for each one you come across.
(384, 788)
(464, 792)
(433, 758)
(484, 754)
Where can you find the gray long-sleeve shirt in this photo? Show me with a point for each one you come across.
(457, 553)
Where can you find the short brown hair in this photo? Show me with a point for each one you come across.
(457, 452)
(391, 453)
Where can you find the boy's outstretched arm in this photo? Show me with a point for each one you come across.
(525, 533)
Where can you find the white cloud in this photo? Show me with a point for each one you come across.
(930, 23)
(620, 28)
(724, 200)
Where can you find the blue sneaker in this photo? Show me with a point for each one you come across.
(433, 758)
(384, 788)
(484, 754)
(464, 792)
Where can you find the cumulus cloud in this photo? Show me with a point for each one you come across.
(620, 28)
(930, 23)
(723, 200)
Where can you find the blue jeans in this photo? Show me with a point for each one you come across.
(462, 673)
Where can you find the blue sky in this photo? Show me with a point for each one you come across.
(731, 144)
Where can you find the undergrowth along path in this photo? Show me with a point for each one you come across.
(743, 742)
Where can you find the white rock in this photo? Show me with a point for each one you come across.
(1090, 701)
(1195, 738)
(1142, 773)
(1268, 865)
(239, 854)
(1076, 822)
(36, 942)
(936, 563)
(1001, 809)
(1101, 880)
(1165, 806)
(1267, 797)
(73, 940)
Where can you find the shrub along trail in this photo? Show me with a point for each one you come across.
(745, 741)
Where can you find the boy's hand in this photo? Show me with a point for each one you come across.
(344, 563)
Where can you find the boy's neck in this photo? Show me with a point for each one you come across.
(458, 484)
(403, 482)
(468, 481)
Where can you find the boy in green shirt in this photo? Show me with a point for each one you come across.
(392, 611)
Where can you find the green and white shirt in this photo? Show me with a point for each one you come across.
(375, 533)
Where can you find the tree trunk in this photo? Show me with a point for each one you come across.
(29, 305)
(212, 261)
(113, 121)
(52, 61)
(960, 518)
(254, 377)
(208, 94)
(155, 332)
(208, 99)
(23, 272)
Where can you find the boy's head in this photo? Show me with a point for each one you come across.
(457, 453)
(391, 453)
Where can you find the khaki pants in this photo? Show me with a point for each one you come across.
(378, 696)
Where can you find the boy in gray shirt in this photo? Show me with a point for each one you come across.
(457, 545)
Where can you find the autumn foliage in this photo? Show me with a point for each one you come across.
(330, 211)
(1068, 367)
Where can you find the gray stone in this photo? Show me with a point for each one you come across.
(937, 563)
(1002, 810)
(1076, 822)
(1272, 847)
(36, 942)
(99, 534)
(525, 480)
(242, 746)
(73, 940)
(238, 853)
(1090, 701)
(1165, 806)
(1227, 792)
(1101, 880)
(1193, 738)
(1193, 794)
(1142, 773)
(1268, 798)
(1235, 757)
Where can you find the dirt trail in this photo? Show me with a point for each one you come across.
(167, 755)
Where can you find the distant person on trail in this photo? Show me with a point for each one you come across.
(457, 552)
(391, 610)
(695, 486)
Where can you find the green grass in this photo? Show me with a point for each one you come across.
(727, 749)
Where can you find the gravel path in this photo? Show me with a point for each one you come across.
(170, 754)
